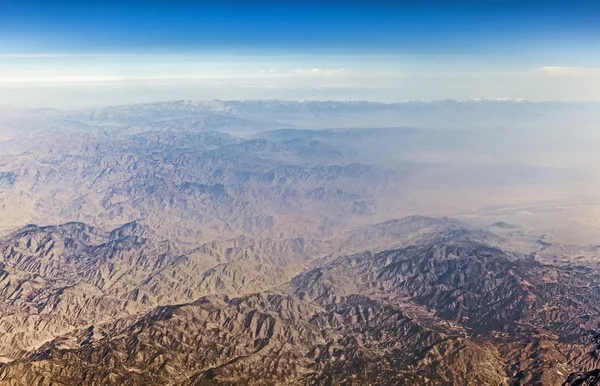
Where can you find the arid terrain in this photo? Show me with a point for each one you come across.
(292, 243)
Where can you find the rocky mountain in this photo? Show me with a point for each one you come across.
(206, 183)
(69, 273)
(286, 243)
(446, 312)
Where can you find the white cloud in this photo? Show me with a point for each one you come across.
(569, 71)
(323, 71)
(98, 75)
(63, 79)
(333, 72)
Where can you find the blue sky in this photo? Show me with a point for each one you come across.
(536, 46)
(383, 27)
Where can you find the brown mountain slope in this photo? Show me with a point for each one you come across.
(452, 312)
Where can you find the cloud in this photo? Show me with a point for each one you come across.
(29, 56)
(331, 72)
(83, 75)
(312, 71)
(323, 71)
(63, 79)
(569, 71)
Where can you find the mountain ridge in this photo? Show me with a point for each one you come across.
(351, 320)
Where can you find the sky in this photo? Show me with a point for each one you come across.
(92, 53)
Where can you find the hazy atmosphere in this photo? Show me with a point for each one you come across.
(299, 193)
(68, 54)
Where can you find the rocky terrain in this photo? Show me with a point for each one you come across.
(83, 306)
(211, 242)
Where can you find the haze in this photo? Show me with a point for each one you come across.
(303, 193)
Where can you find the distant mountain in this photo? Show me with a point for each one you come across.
(292, 110)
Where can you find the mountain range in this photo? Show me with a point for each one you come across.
(288, 243)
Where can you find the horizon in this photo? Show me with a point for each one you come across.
(68, 54)
(499, 100)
